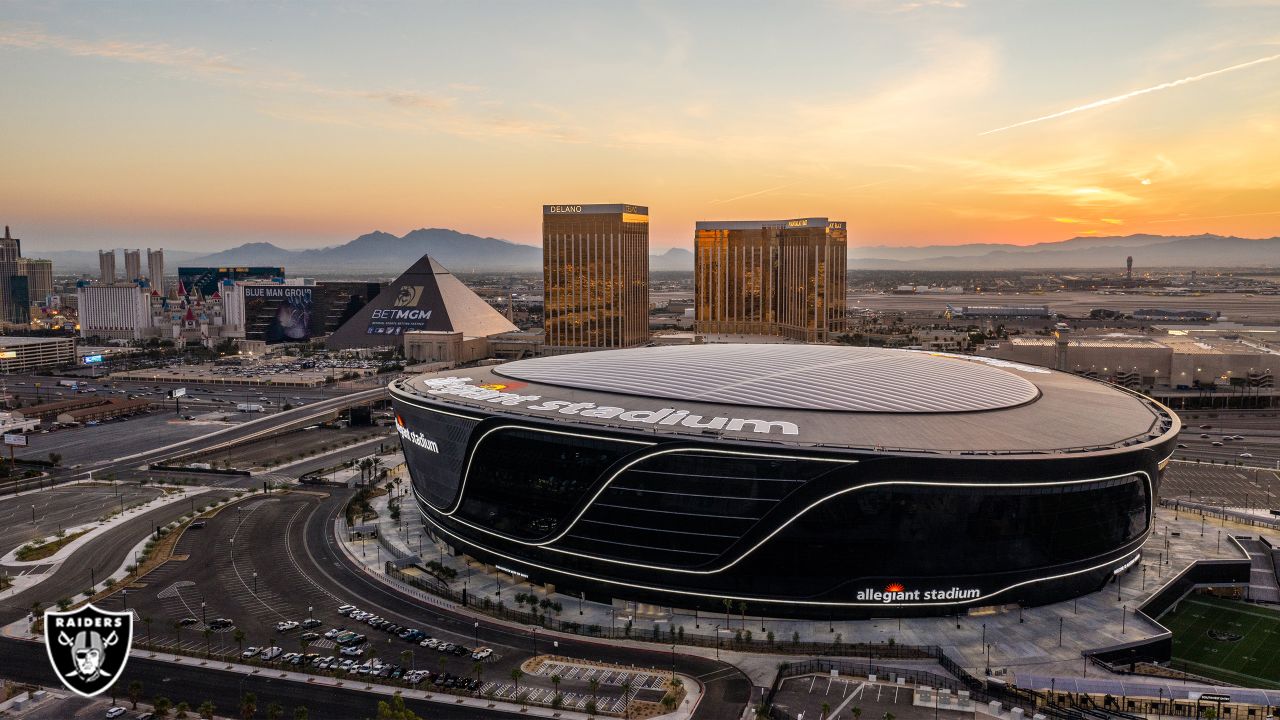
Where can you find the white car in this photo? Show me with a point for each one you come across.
(346, 609)
(1246, 455)
(332, 633)
(286, 625)
(352, 650)
(251, 651)
(429, 643)
(115, 712)
(481, 653)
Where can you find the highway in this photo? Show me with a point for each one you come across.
(1260, 431)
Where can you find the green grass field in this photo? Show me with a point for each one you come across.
(1253, 660)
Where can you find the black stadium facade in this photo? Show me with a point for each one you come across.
(803, 480)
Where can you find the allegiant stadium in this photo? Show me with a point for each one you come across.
(802, 480)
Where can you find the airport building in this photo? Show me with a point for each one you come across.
(1177, 362)
(771, 277)
(802, 480)
(595, 261)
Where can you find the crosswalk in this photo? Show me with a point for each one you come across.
(605, 702)
(605, 676)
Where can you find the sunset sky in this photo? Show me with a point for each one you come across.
(205, 125)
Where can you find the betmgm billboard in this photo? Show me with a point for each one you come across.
(278, 313)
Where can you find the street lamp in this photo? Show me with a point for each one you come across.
(202, 611)
(255, 582)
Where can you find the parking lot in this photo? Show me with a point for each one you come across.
(43, 513)
(238, 574)
(1237, 487)
(805, 696)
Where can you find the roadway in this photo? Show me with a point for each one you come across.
(1260, 431)
(97, 560)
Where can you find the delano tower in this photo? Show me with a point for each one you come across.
(771, 277)
(595, 264)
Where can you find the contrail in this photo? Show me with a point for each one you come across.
(1135, 93)
(752, 194)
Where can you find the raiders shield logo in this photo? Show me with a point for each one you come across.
(408, 296)
(88, 647)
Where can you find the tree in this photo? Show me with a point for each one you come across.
(239, 636)
(406, 658)
(300, 713)
(275, 711)
(826, 710)
(208, 641)
(162, 705)
(64, 604)
(594, 686)
(888, 716)
(55, 458)
(477, 669)
(182, 709)
(146, 620)
(206, 710)
(856, 712)
(135, 693)
(177, 629)
(555, 681)
(248, 706)
(395, 709)
(516, 674)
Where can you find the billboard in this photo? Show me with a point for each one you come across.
(91, 359)
(278, 313)
(15, 439)
(207, 279)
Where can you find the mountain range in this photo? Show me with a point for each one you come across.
(384, 253)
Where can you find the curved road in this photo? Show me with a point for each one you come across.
(726, 689)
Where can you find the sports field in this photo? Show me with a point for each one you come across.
(1226, 639)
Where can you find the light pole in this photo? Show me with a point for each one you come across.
(717, 642)
(255, 582)
(1061, 620)
(310, 610)
(1124, 615)
(202, 611)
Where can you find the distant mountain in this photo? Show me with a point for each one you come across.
(673, 259)
(383, 252)
(1080, 252)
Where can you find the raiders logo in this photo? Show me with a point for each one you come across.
(408, 296)
(88, 647)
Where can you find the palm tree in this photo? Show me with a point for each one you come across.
(742, 609)
(516, 674)
(239, 636)
(275, 711)
(477, 669)
(208, 641)
(206, 710)
(304, 643)
(146, 620)
(248, 706)
(406, 658)
(594, 686)
(177, 630)
(856, 712)
(300, 713)
(161, 706)
(555, 681)
(888, 716)
(826, 710)
(728, 608)
(135, 693)
(182, 709)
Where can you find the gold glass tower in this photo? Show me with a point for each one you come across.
(771, 277)
(595, 264)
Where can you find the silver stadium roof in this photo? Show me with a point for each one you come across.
(803, 377)
(814, 395)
